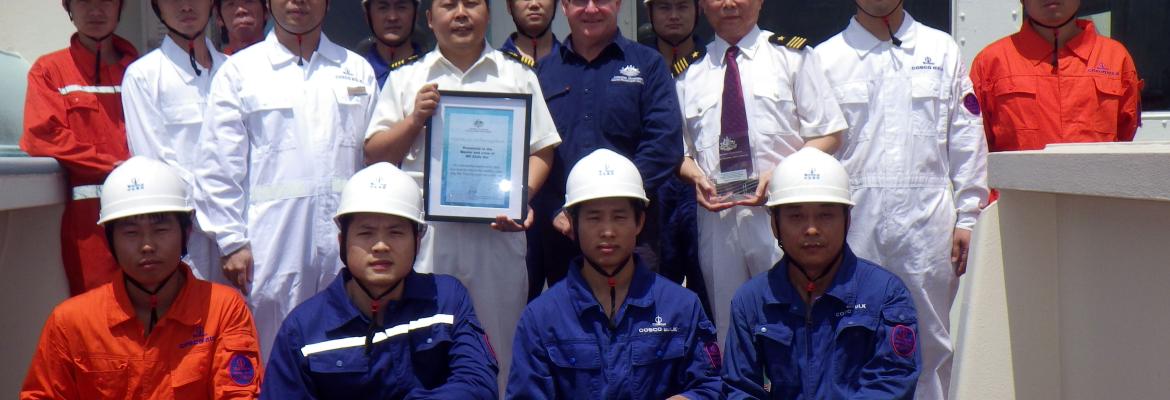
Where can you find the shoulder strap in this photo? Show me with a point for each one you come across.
(683, 63)
(789, 41)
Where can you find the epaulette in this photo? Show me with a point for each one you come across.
(683, 63)
(527, 61)
(792, 42)
(398, 64)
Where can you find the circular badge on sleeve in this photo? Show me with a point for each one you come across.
(241, 370)
(971, 103)
(903, 340)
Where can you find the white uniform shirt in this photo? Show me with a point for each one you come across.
(939, 144)
(276, 130)
(163, 101)
(493, 72)
(786, 97)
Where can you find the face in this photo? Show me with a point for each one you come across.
(392, 19)
(531, 16)
(673, 20)
(879, 7)
(608, 231)
(148, 247)
(732, 18)
(458, 24)
(95, 18)
(813, 233)
(1051, 12)
(592, 20)
(299, 16)
(244, 20)
(379, 249)
(186, 16)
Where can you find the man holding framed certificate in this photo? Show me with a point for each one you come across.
(473, 167)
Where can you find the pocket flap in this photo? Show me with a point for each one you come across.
(348, 360)
(852, 92)
(655, 349)
(773, 332)
(900, 315)
(924, 88)
(1108, 86)
(576, 355)
(1016, 84)
(181, 114)
(265, 102)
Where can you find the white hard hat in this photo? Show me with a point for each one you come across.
(809, 176)
(603, 173)
(142, 185)
(381, 188)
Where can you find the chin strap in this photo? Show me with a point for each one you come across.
(611, 280)
(674, 45)
(534, 38)
(811, 286)
(300, 37)
(153, 298)
(392, 45)
(1055, 40)
(97, 65)
(375, 326)
(886, 20)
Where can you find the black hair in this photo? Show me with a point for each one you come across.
(344, 221)
(184, 227)
(575, 212)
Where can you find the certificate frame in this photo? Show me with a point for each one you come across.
(476, 157)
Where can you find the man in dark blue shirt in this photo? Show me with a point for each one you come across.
(604, 91)
(822, 323)
(612, 329)
(381, 330)
(533, 19)
(391, 24)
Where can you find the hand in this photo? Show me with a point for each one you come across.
(561, 223)
(707, 197)
(426, 101)
(237, 268)
(960, 245)
(677, 397)
(505, 224)
(761, 195)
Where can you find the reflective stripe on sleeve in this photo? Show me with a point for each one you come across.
(90, 89)
(358, 341)
(87, 192)
(292, 190)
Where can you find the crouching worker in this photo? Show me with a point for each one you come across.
(612, 329)
(381, 330)
(822, 323)
(155, 331)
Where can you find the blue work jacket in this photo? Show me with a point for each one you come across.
(623, 100)
(432, 347)
(660, 345)
(858, 342)
(510, 46)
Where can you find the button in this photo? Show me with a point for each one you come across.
(429, 340)
(587, 91)
(339, 363)
(573, 360)
(588, 116)
(763, 329)
(659, 353)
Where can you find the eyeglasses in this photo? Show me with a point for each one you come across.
(585, 3)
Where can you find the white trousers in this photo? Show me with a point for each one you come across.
(491, 265)
(734, 245)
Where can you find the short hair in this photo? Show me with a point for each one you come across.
(184, 227)
(344, 221)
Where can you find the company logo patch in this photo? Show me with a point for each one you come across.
(903, 340)
(713, 354)
(658, 327)
(812, 175)
(628, 74)
(971, 103)
(1103, 70)
(927, 64)
(198, 336)
(605, 171)
(241, 370)
(135, 185)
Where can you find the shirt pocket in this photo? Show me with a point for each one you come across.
(927, 98)
(775, 349)
(192, 375)
(431, 355)
(271, 115)
(656, 360)
(854, 345)
(1016, 104)
(83, 111)
(340, 371)
(853, 97)
(701, 115)
(775, 108)
(351, 115)
(1104, 118)
(578, 365)
(102, 376)
(181, 114)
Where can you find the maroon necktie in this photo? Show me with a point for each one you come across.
(735, 149)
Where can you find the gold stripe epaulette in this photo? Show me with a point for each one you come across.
(683, 63)
(789, 41)
(398, 64)
(527, 61)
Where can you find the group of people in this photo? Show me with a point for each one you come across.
(817, 203)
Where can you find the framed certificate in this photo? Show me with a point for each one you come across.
(477, 157)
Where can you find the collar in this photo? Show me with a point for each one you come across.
(341, 310)
(639, 294)
(1034, 47)
(843, 287)
(182, 60)
(435, 58)
(279, 55)
(617, 45)
(83, 56)
(864, 42)
(376, 60)
(179, 310)
(748, 45)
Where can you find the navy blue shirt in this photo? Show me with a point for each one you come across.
(510, 46)
(381, 68)
(661, 344)
(624, 100)
(858, 342)
(435, 347)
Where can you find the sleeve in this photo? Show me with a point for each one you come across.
(473, 366)
(222, 165)
(51, 374)
(236, 366)
(966, 150)
(816, 105)
(687, 137)
(701, 378)
(544, 130)
(1130, 112)
(892, 373)
(142, 115)
(286, 375)
(982, 90)
(743, 372)
(388, 110)
(530, 376)
(659, 153)
(47, 132)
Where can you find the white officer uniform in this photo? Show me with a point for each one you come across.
(787, 101)
(163, 100)
(917, 162)
(490, 263)
(279, 142)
